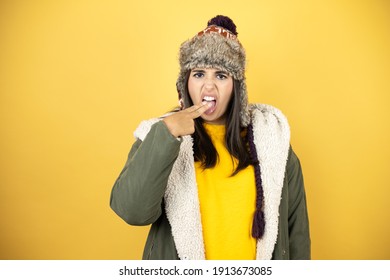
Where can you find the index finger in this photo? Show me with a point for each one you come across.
(199, 109)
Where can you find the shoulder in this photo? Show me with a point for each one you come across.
(271, 134)
(267, 111)
(145, 126)
(269, 116)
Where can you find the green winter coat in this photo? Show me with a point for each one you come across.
(158, 186)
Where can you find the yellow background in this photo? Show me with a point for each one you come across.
(76, 77)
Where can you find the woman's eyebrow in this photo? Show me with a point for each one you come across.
(221, 72)
(198, 70)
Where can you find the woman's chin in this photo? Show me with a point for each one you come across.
(213, 119)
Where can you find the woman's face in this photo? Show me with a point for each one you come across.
(213, 86)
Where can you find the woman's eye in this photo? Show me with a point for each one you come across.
(198, 75)
(221, 76)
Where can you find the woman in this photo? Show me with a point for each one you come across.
(218, 178)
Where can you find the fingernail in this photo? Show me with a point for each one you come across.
(204, 102)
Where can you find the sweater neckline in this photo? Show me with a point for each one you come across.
(217, 130)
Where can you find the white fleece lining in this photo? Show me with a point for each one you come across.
(181, 199)
(272, 133)
(270, 128)
(182, 205)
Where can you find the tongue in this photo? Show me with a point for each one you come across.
(212, 108)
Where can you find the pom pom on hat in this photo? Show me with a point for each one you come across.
(224, 22)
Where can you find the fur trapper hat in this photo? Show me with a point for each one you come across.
(217, 47)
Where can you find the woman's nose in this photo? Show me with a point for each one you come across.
(209, 82)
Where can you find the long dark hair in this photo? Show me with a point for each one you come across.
(236, 143)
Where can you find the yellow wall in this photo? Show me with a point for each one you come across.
(76, 77)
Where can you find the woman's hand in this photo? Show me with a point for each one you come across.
(182, 123)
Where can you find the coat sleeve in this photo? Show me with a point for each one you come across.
(139, 190)
(298, 221)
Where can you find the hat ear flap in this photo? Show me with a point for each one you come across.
(180, 97)
(181, 103)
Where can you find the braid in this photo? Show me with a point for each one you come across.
(258, 219)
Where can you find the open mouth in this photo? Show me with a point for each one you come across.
(211, 100)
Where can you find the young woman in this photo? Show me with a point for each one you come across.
(217, 179)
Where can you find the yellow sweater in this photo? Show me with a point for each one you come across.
(227, 204)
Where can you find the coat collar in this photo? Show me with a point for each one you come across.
(272, 141)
